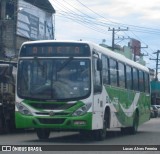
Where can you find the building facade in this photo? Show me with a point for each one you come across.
(23, 20)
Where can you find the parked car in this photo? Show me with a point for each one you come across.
(154, 111)
(158, 107)
(151, 112)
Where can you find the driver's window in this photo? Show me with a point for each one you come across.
(96, 77)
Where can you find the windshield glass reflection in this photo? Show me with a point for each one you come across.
(56, 79)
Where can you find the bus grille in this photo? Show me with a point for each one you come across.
(58, 113)
(51, 106)
(51, 121)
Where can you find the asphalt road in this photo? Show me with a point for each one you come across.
(148, 134)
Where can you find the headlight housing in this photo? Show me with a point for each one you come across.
(23, 109)
(82, 110)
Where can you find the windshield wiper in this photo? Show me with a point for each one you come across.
(39, 64)
(65, 63)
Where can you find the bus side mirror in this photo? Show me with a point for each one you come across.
(99, 64)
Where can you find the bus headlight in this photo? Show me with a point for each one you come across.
(82, 110)
(23, 109)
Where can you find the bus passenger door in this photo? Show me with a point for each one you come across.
(97, 94)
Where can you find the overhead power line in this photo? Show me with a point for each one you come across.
(121, 24)
(140, 29)
(107, 23)
(81, 18)
(96, 21)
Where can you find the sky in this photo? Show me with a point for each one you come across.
(91, 20)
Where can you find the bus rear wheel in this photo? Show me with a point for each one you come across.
(43, 133)
(134, 128)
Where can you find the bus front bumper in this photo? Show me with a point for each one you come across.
(54, 122)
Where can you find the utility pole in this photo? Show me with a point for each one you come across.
(113, 34)
(157, 59)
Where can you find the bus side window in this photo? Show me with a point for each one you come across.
(128, 77)
(135, 79)
(146, 78)
(113, 72)
(121, 73)
(141, 81)
(96, 77)
(105, 70)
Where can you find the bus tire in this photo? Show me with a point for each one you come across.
(100, 134)
(43, 133)
(123, 131)
(134, 128)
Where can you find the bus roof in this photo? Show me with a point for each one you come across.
(99, 48)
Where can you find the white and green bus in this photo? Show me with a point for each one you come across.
(79, 86)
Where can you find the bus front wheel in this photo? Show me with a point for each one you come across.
(100, 134)
(43, 133)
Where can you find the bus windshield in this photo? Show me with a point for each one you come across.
(54, 79)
